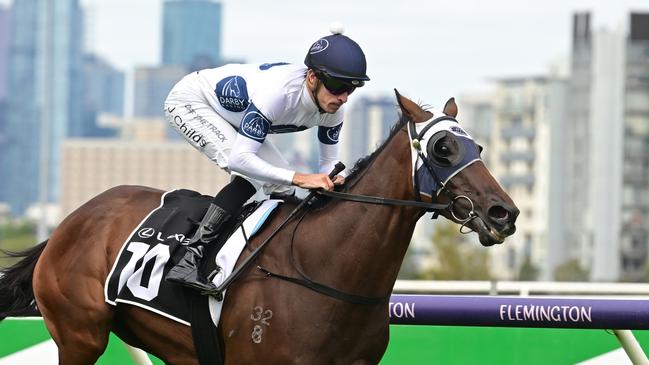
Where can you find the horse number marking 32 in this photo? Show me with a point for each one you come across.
(262, 317)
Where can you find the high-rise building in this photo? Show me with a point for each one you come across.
(44, 79)
(152, 85)
(523, 150)
(4, 51)
(4, 60)
(609, 140)
(103, 93)
(191, 33)
(476, 115)
(157, 163)
(367, 124)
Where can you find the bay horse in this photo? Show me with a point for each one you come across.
(352, 247)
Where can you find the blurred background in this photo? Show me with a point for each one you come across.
(557, 93)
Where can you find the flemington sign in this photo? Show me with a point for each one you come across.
(501, 311)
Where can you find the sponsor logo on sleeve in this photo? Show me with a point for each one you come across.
(329, 135)
(255, 126)
(232, 93)
(334, 133)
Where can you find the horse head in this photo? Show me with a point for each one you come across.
(447, 168)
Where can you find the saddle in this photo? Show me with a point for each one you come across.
(137, 276)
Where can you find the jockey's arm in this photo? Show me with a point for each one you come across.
(328, 138)
(329, 156)
(244, 160)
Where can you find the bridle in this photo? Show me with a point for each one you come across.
(418, 154)
(416, 138)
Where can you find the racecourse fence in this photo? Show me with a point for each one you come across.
(452, 306)
(618, 307)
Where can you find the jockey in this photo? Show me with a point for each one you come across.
(226, 113)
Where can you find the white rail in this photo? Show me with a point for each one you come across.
(522, 288)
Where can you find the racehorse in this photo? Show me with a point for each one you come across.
(345, 245)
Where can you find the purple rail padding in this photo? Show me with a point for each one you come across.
(501, 311)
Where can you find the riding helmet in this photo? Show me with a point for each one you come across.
(338, 56)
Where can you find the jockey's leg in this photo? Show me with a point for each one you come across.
(226, 204)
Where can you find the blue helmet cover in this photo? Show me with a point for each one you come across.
(338, 56)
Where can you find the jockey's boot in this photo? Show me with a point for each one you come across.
(186, 271)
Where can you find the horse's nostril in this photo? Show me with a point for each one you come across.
(497, 212)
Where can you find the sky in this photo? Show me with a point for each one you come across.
(428, 50)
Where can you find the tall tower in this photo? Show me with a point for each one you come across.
(610, 176)
(4, 60)
(4, 51)
(45, 83)
(367, 125)
(191, 33)
(103, 93)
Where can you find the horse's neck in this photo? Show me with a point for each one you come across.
(370, 241)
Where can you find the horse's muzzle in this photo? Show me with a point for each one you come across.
(498, 224)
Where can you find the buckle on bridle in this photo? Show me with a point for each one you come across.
(471, 215)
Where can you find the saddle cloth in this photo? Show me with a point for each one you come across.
(137, 276)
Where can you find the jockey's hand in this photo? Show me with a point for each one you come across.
(339, 180)
(313, 181)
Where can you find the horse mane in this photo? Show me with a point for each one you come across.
(363, 162)
(360, 165)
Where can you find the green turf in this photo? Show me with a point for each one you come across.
(488, 345)
(410, 344)
(16, 334)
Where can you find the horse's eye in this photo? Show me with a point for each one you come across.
(442, 149)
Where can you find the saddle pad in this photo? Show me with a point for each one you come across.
(137, 276)
(227, 257)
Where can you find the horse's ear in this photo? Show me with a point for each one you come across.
(410, 109)
(450, 108)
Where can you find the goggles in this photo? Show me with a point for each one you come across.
(338, 86)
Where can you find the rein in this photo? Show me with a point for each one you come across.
(429, 207)
(305, 281)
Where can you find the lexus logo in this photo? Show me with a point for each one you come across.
(146, 233)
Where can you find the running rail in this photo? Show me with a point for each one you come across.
(498, 311)
(618, 315)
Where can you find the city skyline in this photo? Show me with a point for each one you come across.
(530, 114)
(430, 54)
